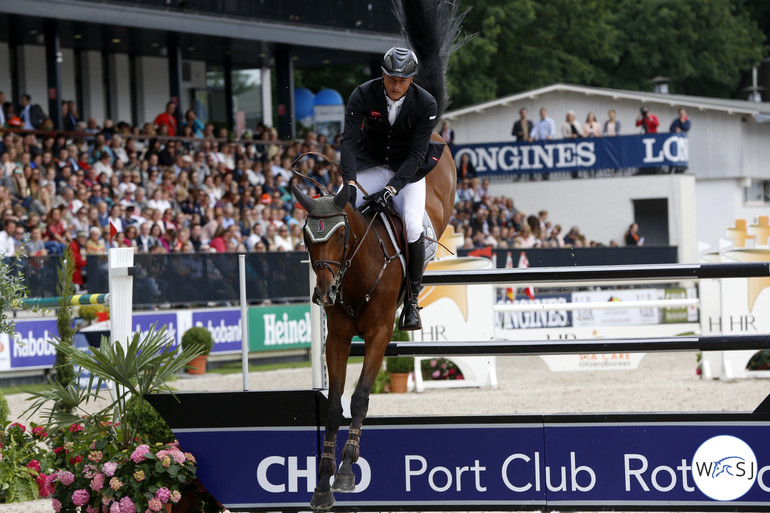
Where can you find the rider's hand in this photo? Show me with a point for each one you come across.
(352, 194)
(378, 201)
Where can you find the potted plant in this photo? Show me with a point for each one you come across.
(198, 338)
(399, 368)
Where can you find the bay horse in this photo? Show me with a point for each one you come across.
(358, 281)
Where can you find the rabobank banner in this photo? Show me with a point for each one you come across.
(272, 328)
(626, 151)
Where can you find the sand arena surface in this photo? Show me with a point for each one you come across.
(663, 382)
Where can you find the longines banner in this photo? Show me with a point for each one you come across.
(626, 151)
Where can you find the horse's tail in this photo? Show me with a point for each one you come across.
(432, 30)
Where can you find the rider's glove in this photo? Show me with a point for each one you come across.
(379, 200)
(352, 194)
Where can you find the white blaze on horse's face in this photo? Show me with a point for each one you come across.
(326, 235)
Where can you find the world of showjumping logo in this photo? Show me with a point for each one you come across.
(724, 468)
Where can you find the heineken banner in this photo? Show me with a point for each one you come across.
(279, 327)
(626, 151)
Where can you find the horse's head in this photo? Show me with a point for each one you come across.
(327, 236)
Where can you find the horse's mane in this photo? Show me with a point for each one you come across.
(432, 29)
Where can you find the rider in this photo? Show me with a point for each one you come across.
(388, 125)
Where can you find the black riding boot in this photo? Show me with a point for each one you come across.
(411, 317)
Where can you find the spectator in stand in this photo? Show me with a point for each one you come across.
(681, 123)
(571, 129)
(71, 118)
(2, 115)
(465, 168)
(647, 120)
(167, 119)
(522, 128)
(632, 237)
(78, 246)
(591, 128)
(25, 108)
(612, 125)
(7, 240)
(545, 129)
(95, 245)
(36, 246)
(447, 132)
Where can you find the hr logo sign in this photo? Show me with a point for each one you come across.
(724, 468)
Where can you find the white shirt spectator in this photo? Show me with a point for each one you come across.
(7, 244)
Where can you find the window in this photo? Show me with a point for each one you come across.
(757, 192)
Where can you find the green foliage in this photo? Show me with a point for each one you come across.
(198, 337)
(5, 410)
(760, 361)
(88, 312)
(399, 364)
(143, 366)
(65, 372)
(149, 424)
(705, 46)
(23, 463)
(12, 291)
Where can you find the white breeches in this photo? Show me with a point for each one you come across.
(409, 202)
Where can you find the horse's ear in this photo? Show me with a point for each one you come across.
(341, 198)
(304, 200)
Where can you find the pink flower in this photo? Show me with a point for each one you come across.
(115, 508)
(189, 457)
(433, 363)
(138, 455)
(98, 482)
(127, 505)
(80, 497)
(154, 504)
(76, 427)
(44, 488)
(56, 505)
(17, 425)
(92, 509)
(93, 445)
(436, 373)
(77, 459)
(106, 500)
(109, 468)
(34, 465)
(166, 461)
(39, 432)
(89, 471)
(116, 483)
(163, 494)
(139, 475)
(95, 456)
(66, 477)
(176, 496)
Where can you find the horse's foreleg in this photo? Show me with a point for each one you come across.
(344, 481)
(336, 361)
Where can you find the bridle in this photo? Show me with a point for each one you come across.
(343, 264)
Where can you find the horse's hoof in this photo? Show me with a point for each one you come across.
(322, 500)
(344, 483)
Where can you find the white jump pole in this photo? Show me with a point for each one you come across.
(601, 305)
(121, 281)
(317, 338)
(244, 322)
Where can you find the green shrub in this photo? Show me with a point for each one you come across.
(149, 424)
(198, 336)
(400, 364)
(5, 410)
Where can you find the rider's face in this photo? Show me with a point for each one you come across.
(396, 87)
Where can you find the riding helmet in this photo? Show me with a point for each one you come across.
(399, 62)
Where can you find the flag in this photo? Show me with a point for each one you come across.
(510, 292)
(113, 232)
(523, 262)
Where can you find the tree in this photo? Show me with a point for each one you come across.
(12, 291)
(704, 46)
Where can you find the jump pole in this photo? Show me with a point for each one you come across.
(244, 322)
(121, 281)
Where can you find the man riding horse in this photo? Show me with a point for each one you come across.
(385, 145)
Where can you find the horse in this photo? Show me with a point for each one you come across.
(359, 280)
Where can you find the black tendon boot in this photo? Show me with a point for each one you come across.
(411, 317)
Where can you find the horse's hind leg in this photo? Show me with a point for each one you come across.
(344, 481)
(336, 360)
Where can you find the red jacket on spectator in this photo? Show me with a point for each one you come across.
(79, 255)
(649, 123)
(166, 119)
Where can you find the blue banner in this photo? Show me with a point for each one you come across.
(224, 326)
(589, 463)
(626, 151)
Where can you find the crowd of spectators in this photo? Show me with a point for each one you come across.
(199, 192)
